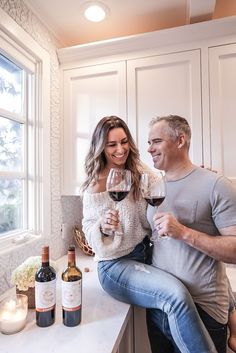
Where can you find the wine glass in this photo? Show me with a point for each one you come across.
(118, 186)
(153, 190)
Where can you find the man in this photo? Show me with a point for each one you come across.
(197, 225)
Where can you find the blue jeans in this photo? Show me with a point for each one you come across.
(217, 331)
(130, 280)
(160, 337)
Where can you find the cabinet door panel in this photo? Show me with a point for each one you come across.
(89, 94)
(163, 85)
(222, 61)
(141, 341)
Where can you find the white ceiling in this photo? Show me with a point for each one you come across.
(65, 19)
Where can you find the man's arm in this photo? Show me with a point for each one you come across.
(222, 248)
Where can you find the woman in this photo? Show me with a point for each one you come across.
(121, 259)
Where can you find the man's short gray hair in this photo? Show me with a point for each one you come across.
(177, 125)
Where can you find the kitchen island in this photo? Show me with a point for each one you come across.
(106, 327)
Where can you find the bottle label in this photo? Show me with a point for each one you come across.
(45, 295)
(71, 295)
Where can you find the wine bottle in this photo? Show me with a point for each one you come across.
(45, 291)
(71, 291)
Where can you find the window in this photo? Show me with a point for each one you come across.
(24, 138)
(13, 142)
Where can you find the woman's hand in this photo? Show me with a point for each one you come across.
(110, 220)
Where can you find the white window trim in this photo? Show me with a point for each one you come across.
(22, 41)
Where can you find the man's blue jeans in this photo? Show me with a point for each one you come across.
(160, 335)
(129, 280)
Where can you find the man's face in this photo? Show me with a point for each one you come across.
(161, 147)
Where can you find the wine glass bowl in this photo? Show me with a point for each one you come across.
(153, 190)
(118, 184)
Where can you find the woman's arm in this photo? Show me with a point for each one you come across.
(94, 206)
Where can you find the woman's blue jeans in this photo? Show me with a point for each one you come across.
(130, 280)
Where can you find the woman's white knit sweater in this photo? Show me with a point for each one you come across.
(133, 220)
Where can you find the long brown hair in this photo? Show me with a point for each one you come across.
(95, 161)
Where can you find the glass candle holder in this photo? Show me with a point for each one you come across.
(13, 313)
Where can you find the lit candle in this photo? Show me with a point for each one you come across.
(13, 312)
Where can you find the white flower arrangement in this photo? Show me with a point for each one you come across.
(23, 277)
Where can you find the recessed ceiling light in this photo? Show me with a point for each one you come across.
(95, 11)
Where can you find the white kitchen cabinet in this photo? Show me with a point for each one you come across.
(222, 64)
(189, 71)
(163, 85)
(141, 341)
(89, 93)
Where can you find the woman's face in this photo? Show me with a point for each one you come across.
(117, 148)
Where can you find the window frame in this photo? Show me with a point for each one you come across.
(25, 52)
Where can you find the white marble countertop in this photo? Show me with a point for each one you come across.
(103, 322)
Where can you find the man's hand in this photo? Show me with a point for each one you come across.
(166, 224)
(220, 247)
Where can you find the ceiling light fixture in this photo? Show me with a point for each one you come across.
(95, 11)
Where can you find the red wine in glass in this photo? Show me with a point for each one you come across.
(118, 195)
(155, 201)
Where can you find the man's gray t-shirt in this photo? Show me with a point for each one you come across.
(204, 201)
